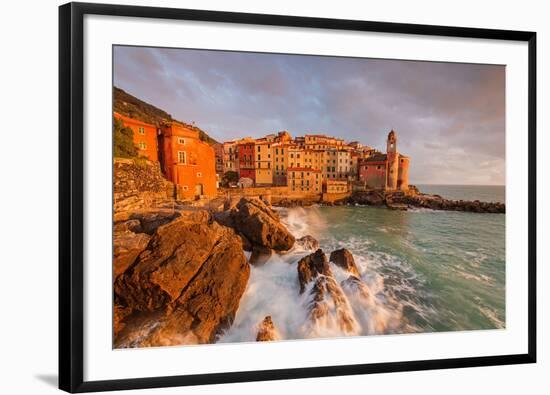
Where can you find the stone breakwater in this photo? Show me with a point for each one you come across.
(402, 201)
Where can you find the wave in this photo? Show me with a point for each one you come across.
(381, 301)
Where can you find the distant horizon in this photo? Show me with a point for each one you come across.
(449, 117)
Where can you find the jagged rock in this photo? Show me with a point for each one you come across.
(195, 272)
(267, 331)
(127, 246)
(151, 220)
(260, 255)
(207, 305)
(344, 259)
(436, 202)
(354, 285)
(308, 242)
(119, 314)
(312, 265)
(328, 298)
(173, 257)
(132, 225)
(371, 198)
(260, 224)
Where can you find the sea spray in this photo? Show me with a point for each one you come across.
(273, 290)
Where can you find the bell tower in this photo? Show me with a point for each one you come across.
(392, 168)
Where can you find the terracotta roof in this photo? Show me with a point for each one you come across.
(377, 158)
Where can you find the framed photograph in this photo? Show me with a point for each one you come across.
(250, 197)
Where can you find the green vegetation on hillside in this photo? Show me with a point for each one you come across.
(131, 106)
(123, 141)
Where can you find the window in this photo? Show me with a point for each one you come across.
(199, 174)
(141, 130)
(378, 167)
(258, 148)
(142, 145)
(181, 140)
(258, 156)
(182, 157)
(292, 155)
(282, 151)
(269, 165)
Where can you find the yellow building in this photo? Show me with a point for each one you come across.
(305, 180)
(313, 158)
(264, 158)
(279, 152)
(336, 186)
(296, 156)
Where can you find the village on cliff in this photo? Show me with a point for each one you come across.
(312, 167)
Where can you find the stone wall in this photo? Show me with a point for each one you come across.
(333, 197)
(139, 184)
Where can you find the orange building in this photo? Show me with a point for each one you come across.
(145, 136)
(187, 161)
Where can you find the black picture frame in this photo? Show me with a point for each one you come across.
(71, 197)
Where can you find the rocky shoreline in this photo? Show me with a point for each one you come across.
(179, 273)
(402, 201)
(405, 201)
(179, 276)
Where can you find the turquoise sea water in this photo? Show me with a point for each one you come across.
(427, 270)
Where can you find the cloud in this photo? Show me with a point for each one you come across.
(449, 117)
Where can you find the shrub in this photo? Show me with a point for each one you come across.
(123, 141)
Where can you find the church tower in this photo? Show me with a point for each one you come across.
(392, 161)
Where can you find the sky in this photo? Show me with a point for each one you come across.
(449, 117)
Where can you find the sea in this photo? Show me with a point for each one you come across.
(425, 270)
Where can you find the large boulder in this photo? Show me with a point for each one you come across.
(208, 304)
(344, 259)
(195, 273)
(260, 225)
(151, 220)
(354, 286)
(308, 243)
(328, 303)
(267, 331)
(312, 265)
(127, 245)
(371, 198)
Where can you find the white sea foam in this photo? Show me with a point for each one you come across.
(273, 289)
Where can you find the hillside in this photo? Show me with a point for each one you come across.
(131, 106)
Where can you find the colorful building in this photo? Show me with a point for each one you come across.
(218, 151)
(305, 180)
(280, 162)
(336, 186)
(245, 154)
(145, 136)
(230, 157)
(187, 161)
(389, 171)
(264, 172)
